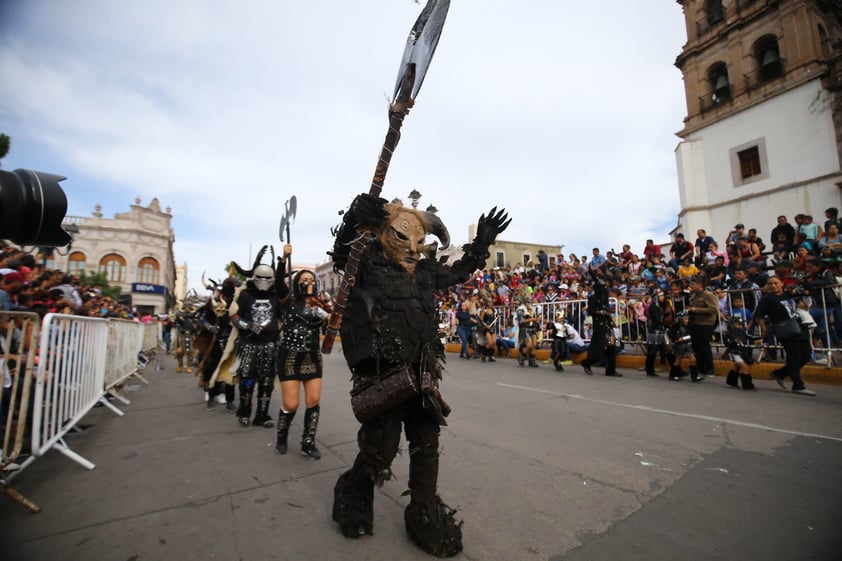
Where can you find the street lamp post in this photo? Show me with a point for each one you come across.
(414, 196)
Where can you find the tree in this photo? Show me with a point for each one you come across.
(99, 279)
(5, 141)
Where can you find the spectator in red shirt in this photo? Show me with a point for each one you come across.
(652, 252)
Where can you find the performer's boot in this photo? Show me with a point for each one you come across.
(650, 364)
(264, 395)
(557, 363)
(732, 378)
(694, 374)
(520, 356)
(229, 397)
(210, 401)
(429, 522)
(246, 394)
(308, 437)
(489, 353)
(353, 501)
(284, 421)
(676, 372)
(532, 362)
(432, 527)
(746, 381)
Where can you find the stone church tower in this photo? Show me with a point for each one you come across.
(763, 131)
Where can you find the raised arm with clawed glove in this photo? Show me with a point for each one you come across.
(488, 228)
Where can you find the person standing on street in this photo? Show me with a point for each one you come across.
(303, 313)
(704, 313)
(775, 307)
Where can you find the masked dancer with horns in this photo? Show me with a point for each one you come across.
(255, 316)
(390, 330)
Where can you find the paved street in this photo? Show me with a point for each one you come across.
(541, 465)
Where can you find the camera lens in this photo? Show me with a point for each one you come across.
(32, 206)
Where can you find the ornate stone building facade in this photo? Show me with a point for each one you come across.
(763, 131)
(134, 250)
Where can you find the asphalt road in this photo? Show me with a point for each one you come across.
(540, 464)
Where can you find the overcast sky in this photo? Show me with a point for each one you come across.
(562, 112)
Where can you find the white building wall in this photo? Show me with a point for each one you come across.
(802, 165)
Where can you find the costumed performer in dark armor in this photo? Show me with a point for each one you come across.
(303, 314)
(486, 336)
(739, 347)
(256, 319)
(215, 319)
(185, 326)
(392, 323)
(603, 341)
(659, 318)
(527, 334)
(681, 347)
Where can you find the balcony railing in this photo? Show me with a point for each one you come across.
(722, 97)
(757, 78)
(711, 20)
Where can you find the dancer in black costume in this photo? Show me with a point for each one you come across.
(392, 322)
(603, 341)
(299, 356)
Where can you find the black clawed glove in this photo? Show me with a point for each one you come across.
(368, 211)
(490, 226)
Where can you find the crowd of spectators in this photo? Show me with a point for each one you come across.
(806, 256)
(29, 286)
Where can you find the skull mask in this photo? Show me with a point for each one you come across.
(264, 277)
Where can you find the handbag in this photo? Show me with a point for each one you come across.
(372, 397)
(786, 329)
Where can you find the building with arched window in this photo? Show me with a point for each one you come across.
(134, 250)
(763, 131)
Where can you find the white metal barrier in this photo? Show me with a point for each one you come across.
(149, 336)
(79, 360)
(69, 381)
(125, 338)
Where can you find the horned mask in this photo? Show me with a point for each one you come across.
(402, 237)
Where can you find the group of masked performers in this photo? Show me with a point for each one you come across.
(263, 334)
(269, 330)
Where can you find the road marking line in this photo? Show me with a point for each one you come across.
(677, 413)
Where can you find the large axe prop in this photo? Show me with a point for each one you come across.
(290, 208)
(420, 46)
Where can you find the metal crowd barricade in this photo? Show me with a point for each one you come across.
(575, 312)
(125, 338)
(54, 371)
(69, 381)
(826, 316)
(18, 341)
(634, 330)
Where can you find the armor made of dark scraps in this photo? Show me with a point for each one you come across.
(392, 321)
(185, 324)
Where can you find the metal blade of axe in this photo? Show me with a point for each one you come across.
(291, 207)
